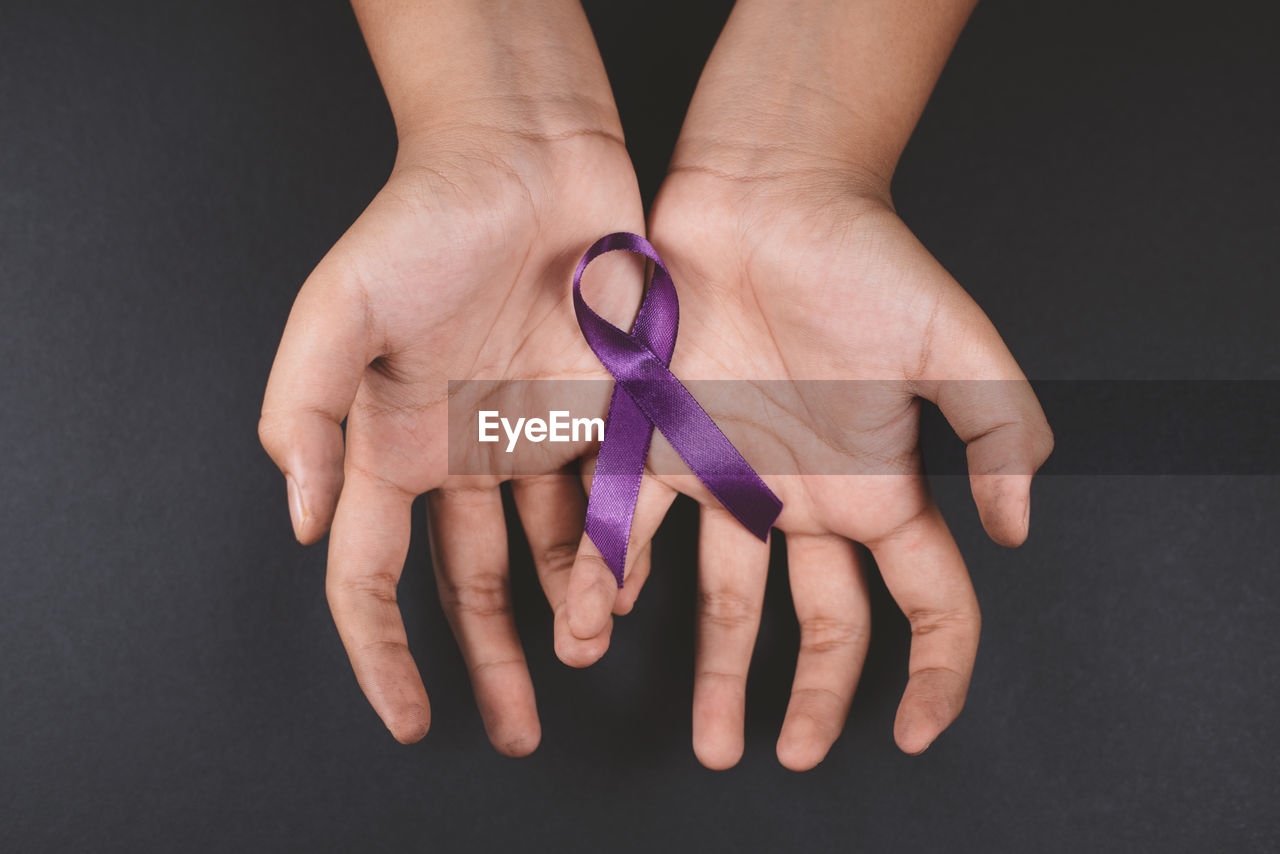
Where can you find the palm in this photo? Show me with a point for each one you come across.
(462, 271)
(828, 320)
(824, 326)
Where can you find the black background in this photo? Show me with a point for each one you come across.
(1102, 176)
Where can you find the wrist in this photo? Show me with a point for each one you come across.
(504, 123)
(747, 126)
(507, 68)
(819, 85)
(791, 161)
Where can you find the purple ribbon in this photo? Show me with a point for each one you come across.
(646, 395)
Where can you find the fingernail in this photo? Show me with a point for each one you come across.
(1026, 516)
(297, 513)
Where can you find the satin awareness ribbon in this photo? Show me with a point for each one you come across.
(646, 395)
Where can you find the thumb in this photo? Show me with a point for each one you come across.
(317, 370)
(989, 403)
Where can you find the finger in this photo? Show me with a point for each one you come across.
(732, 567)
(829, 590)
(926, 576)
(551, 509)
(367, 551)
(469, 552)
(995, 411)
(592, 586)
(317, 370)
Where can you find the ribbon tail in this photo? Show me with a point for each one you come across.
(651, 396)
(710, 455)
(615, 484)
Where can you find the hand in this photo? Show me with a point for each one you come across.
(834, 287)
(792, 266)
(457, 270)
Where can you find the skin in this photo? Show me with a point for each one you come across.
(456, 270)
(778, 227)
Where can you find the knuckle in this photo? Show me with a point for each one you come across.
(377, 585)
(906, 522)
(495, 665)
(727, 608)
(557, 558)
(926, 621)
(384, 645)
(270, 434)
(1043, 441)
(1032, 442)
(484, 594)
(711, 675)
(826, 634)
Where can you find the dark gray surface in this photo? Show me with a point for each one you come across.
(1103, 178)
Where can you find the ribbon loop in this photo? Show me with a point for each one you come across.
(646, 395)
